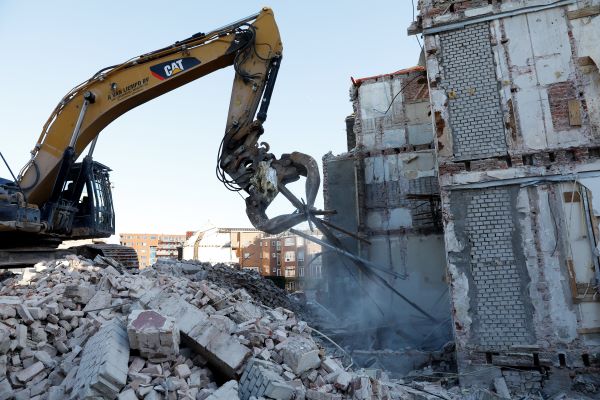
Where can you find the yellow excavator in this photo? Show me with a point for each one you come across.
(55, 198)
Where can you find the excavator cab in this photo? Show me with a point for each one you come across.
(95, 215)
(84, 208)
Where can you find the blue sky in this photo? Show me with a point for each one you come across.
(163, 153)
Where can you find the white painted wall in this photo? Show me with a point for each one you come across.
(213, 247)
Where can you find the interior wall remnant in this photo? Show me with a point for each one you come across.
(340, 194)
(514, 98)
(585, 30)
(386, 190)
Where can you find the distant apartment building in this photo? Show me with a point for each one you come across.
(224, 245)
(286, 256)
(151, 247)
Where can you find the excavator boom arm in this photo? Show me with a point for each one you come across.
(252, 45)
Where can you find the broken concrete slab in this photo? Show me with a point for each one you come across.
(100, 300)
(172, 305)
(300, 354)
(128, 394)
(222, 351)
(103, 367)
(183, 371)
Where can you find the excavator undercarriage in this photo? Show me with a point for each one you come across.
(83, 210)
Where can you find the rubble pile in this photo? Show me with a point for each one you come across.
(82, 329)
(260, 289)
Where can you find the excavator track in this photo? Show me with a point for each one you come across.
(24, 257)
(126, 256)
(27, 256)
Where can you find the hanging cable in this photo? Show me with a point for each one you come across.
(397, 94)
(247, 37)
(413, 18)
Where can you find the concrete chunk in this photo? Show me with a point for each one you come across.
(156, 336)
(45, 359)
(136, 364)
(37, 313)
(228, 391)
(171, 305)
(330, 365)
(56, 393)
(80, 293)
(300, 354)
(343, 380)
(26, 374)
(100, 300)
(24, 314)
(10, 300)
(6, 390)
(222, 351)
(128, 394)
(7, 312)
(4, 339)
(501, 388)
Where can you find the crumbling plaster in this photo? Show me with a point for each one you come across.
(555, 317)
(498, 175)
(387, 118)
(585, 34)
(492, 259)
(532, 52)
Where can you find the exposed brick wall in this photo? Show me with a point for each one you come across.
(523, 381)
(415, 88)
(424, 185)
(559, 95)
(474, 101)
(420, 196)
(500, 314)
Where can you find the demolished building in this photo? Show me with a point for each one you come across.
(76, 329)
(514, 96)
(514, 103)
(385, 188)
(221, 245)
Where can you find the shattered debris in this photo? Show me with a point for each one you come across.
(78, 329)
